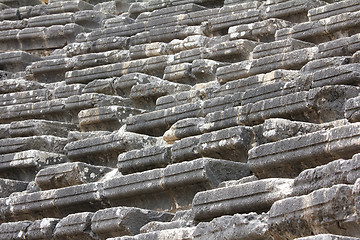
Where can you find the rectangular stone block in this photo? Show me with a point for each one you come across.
(41, 229)
(75, 225)
(352, 112)
(327, 210)
(18, 85)
(327, 237)
(31, 96)
(255, 196)
(13, 230)
(184, 128)
(336, 172)
(9, 186)
(299, 153)
(16, 61)
(333, 9)
(121, 221)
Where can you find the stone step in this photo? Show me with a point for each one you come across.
(253, 196)
(319, 31)
(18, 85)
(39, 38)
(69, 174)
(343, 46)
(104, 150)
(293, 214)
(238, 226)
(262, 31)
(11, 186)
(24, 165)
(16, 61)
(16, 3)
(37, 10)
(184, 233)
(325, 176)
(333, 9)
(24, 97)
(302, 152)
(108, 118)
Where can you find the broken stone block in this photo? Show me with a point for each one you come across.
(148, 50)
(104, 150)
(144, 159)
(14, 230)
(108, 118)
(263, 31)
(69, 174)
(336, 172)
(25, 165)
(41, 229)
(76, 225)
(40, 127)
(42, 143)
(327, 210)
(277, 47)
(327, 237)
(4, 131)
(120, 221)
(16, 61)
(104, 86)
(302, 152)
(124, 84)
(183, 128)
(180, 73)
(204, 70)
(65, 91)
(238, 226)
(244, 198)
(232, 51)
(352, 112)
(333, 9)
(8, 187)
(172, 187)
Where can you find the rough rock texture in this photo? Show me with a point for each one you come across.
(179, 119)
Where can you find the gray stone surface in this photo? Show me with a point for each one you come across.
(13, 230)
(116, 222)
(16, 61)
(302, 152)
(179, 234)
(243, 198)
(352, 109)
(336, 172)
(41, 229)
(327, 210)
(8, 187)
(333, 9)
(18, 85)
(69, 174)
(75, 226)
(239, 226)
(327, 237)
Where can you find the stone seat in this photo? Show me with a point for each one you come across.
(18, 85)
(16, 61)
(352, 109)
(302, 152)
(333, 9)
(9, 186)
(243, 198)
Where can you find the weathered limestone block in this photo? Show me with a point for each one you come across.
(166, 34)
(66, 6)
(108, 118)
(180, 73)
(323, 63)
(184, 233)
(98, 45)
(183, 128)
(289, 9)
(327, 210)
(69, 174)
(42, 143)
(239, 226)
(16, 24)
(91, 18)
(40, 127)
(49, 20)
(232, 51)
(204, 70)
(15, 4)
(144, 159)
(243, 198)
(18, 85)
(65, 91)
(352, 112)
(332, 9)
(120, 221)
(41, 229)
(317, 105)
(336, 172)
(24, 165)
(172, 187)
(104, 150)
(327, 237)
(148, 50)
(277, 47)
(263, 31)
(4, 74)
(107, 7)
(31, 96)
(222, 119)
(145, 95)
(290, 61)
(185, 149)
(320, 30)
(16, 61)
(14, 230)
(105, 86)
(8, 187)
(299, 153)
(101, 58)
(4, 131)
(152, 66)
(76, 225)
